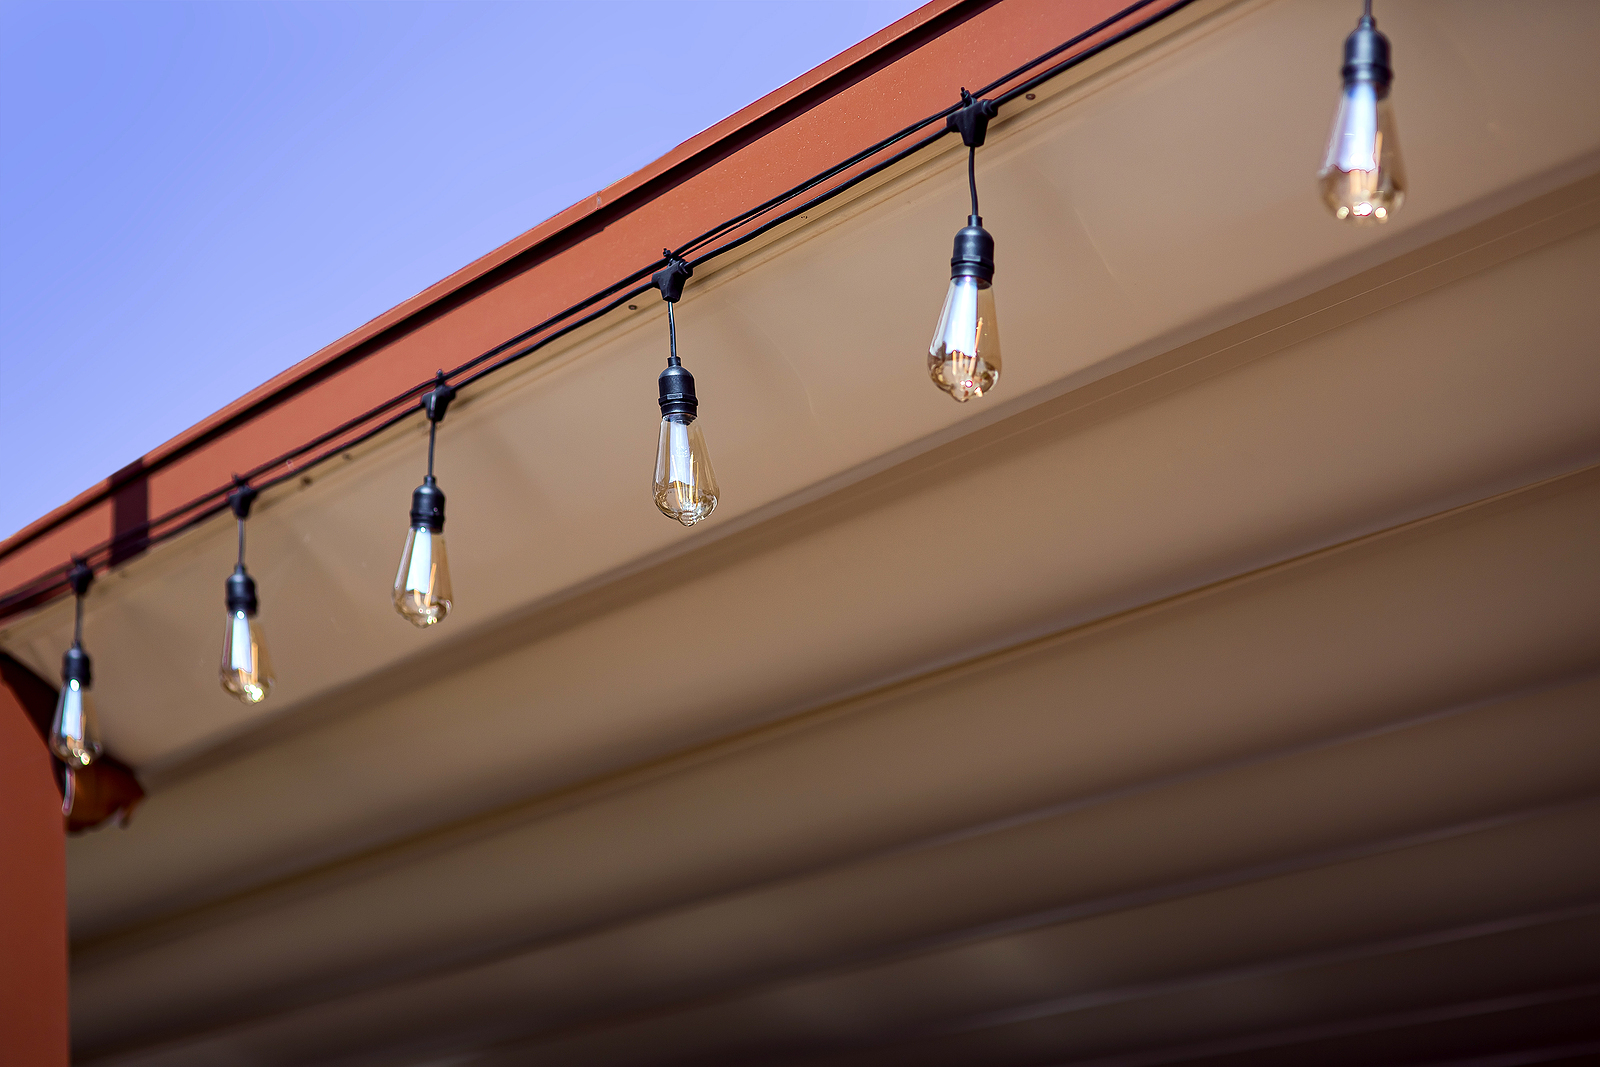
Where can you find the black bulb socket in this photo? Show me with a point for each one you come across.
(240, 592)
(677, 391)
(974, 252)
(1366, 57)
(75, 667)
(427, 506)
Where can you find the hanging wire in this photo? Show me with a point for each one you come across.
(672, 332)
(344, 436)
(433, 434)
(972, 177)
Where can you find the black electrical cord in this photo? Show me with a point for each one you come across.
(45, 587)
(899, 135)
(972, 178)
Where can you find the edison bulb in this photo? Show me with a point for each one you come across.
(422, 585)
(964, 358)
(246, 668)
(75, 735)
(685, 486)
(1362, 177)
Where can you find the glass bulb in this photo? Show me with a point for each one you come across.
(964, 358)
(246, 667)
(422, 585)
(75, 735)
(685, 487)
(1362, 179)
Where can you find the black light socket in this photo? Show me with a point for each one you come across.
(1366, 57)
(974, 252)
(677, 390)
(241, 592)
(427, 506)
(75, 667)
(670, 279)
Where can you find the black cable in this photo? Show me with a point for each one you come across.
(894, 138)
(672, 332)
(46, 586)
(972, 179)
(433, 433)
(810, 183)
(1088, 53)
(241, 542)
(1103, 24)
(724, 227)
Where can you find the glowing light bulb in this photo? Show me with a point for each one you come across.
(685, 487)
(75, 734)
(246, 670)
(1362, 179)
(964, 357)
(422, 584)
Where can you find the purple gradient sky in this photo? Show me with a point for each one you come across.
(274, 175)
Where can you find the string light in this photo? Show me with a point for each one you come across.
(1362, 179)
(246, 670)
(964, 356)
(795, 202)
(422, 584)
(75, 732)
(685, 486)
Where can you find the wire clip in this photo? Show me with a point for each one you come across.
(437, 400)
(972, 121)
(80, 577)
(670, 279)
(241, 498)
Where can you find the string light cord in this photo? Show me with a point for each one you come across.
(77, 615)
(399, 408)
(938, 117)
(240, 497)
(972, 178)
(435, 402)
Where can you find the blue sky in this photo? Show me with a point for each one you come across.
(197, 195)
